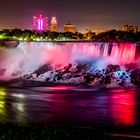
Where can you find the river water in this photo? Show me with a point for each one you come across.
(70, 106)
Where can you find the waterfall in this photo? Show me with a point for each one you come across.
(29, 56)
(120, 52)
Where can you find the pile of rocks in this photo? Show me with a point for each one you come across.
(83, 73)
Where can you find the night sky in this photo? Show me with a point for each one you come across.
(84, 13)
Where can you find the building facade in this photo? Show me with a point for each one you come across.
(130, 28)
(54, 25)
(70, 28)
(40, 23)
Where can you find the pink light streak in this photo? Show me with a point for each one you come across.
(40, 23)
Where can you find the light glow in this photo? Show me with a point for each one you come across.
(40, 23)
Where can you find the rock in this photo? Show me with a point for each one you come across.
(42, 69)
(2, 71)
(111, 76)
(9, 43)
(135, 76)
(112, 68)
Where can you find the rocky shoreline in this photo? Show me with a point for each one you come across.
(113, 76)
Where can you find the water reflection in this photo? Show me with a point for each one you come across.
(12, 106)
(69, 106)
(123, 107)
(19, 111)
(3, 112)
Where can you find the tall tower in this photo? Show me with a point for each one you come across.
(53, 24)
(40, 23)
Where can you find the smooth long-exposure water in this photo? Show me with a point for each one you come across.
(70, 106)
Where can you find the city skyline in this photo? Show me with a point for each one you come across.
(84, 14)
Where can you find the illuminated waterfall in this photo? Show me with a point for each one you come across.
(122, 53)
(29, 56)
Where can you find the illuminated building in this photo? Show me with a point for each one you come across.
(131, 28)
(53, 24)
(40, 23)
(70, 28)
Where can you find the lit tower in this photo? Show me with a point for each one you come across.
(53, 24)
(40, 23)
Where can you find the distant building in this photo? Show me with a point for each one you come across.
(70, 28)
(131, 28)
(40, 23)
(54, 25)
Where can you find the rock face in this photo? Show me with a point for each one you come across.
(109, 77)
(2, 71)
(10, 43)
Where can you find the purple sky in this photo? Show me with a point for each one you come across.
(83, 13)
